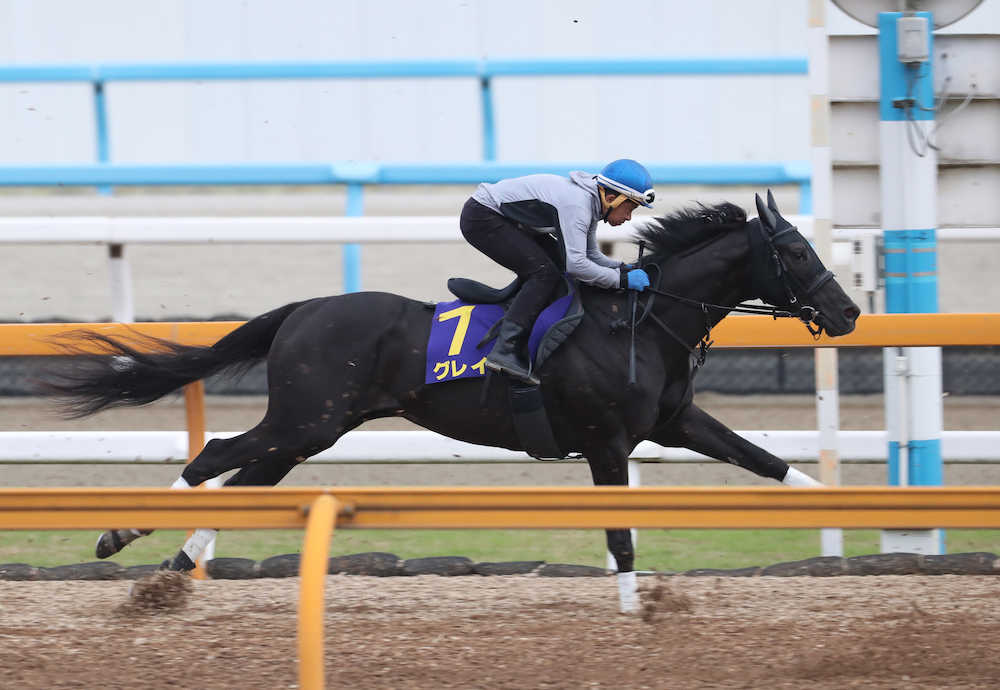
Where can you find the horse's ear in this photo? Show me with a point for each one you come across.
(766, 217)
(771, 203)
(781, 223)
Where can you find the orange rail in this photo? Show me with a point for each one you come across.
(873, 330)
(44, 338)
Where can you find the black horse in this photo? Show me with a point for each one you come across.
(335, 362)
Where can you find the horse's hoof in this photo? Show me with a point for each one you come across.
(108, 544)
(181, 563)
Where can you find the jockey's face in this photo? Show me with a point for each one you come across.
(621, 213)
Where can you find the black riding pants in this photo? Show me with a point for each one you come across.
(518, 249)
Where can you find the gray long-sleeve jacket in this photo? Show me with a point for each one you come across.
(568, 208)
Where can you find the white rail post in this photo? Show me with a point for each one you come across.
(827, 386)
(122, 305)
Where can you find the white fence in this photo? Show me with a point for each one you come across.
(400, 447)
(118, 231)
(855, 248)
(312, 229)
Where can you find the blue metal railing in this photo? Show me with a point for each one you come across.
(104, 174)
(364, 69)
(349, 173)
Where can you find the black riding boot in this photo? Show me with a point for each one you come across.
(510, 353)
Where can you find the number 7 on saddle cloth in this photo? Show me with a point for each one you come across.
(457, 328)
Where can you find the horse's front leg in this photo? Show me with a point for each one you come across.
(695, 429)
(610, 468)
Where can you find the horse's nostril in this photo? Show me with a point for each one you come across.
(852, 312)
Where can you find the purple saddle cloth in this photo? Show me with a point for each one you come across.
(457, 328)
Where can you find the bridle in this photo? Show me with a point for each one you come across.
(806, 313)
(779, 281)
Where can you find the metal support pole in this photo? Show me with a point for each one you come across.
(122, 306)
(120, 275)
(489, 126)
(101, 130)
(909, 214)
(902, 406)
(805, 199)
(352, 252)
(312, 570)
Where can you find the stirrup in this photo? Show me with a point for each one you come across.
(518, 374)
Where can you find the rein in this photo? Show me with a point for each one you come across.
(805, 313)
(699, 352)
(647, 312)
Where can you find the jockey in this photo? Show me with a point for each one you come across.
(512, 221)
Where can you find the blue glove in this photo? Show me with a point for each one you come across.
(637, 279)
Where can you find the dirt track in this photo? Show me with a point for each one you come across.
(516, 632)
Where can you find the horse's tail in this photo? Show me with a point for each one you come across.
(140, 369)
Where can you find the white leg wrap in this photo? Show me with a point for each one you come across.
(197, 542)
(180, 484)
(796, 478)
(628, 592)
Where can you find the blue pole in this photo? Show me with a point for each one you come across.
(908, 171)
(101, 125)
(352, 252)
(489, 126)
(806, 198)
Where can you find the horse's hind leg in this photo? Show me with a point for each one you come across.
(218, 456)
(257, 474)
(262, 474)
(265, 454)
(114, 540)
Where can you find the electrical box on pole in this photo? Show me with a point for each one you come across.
(912, 40)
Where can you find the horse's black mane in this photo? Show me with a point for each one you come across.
(688, 227)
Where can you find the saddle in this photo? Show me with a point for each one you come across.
(546, 335)
(480, 293)
(553, 327)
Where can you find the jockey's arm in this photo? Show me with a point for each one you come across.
(596, 255)
(576, 238)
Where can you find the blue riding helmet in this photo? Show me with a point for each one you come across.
(630, 178)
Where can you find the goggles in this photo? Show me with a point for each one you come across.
(643, 198)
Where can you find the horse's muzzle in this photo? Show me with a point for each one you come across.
(842, 323)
